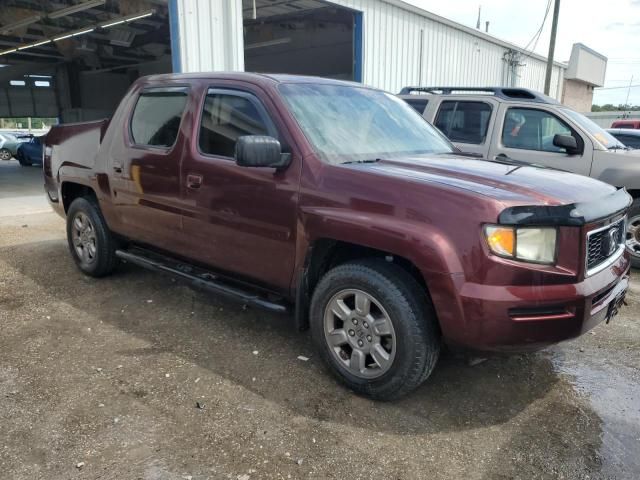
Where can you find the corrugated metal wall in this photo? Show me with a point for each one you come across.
(210, 33)
(393, 35)
(400, 47)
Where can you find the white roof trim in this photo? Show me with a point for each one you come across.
(472, 31)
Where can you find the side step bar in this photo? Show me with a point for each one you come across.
(199, 277)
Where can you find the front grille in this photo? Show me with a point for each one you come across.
(604, 243)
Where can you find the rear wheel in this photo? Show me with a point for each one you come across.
(91, 243)
(5, 154)
(23, 160)
(633, 233)
(375, 328)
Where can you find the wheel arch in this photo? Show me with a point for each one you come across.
(71, 190)
(325, 253)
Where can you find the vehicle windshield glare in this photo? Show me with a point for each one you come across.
(352, 124)
(602, 136)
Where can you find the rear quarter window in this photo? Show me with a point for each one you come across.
(418, 104)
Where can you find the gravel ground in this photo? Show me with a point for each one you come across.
(104, 379)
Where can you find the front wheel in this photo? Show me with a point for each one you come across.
(5, 154)
(375, 328)
(633, 233)
(91, 244)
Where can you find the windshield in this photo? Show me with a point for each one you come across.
(605, 138)
(351, 124)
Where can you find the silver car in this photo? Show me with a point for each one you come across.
(520, 125)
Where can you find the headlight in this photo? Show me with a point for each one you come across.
(529, 244)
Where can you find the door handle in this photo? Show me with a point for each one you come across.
(194, 181)
(117, 167)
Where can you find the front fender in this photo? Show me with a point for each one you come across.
(426, 246)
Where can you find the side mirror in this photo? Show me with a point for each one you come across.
(260, 151)
(567, 142)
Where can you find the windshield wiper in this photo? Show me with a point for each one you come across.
(373, 160)
(618, 147)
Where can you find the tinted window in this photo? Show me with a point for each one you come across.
(464, 122)
(419, 104)
(156, 118)
(629, 141)
(225, 118)
(531, 129)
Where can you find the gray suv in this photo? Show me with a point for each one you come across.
(519, 125)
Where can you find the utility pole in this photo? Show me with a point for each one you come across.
(552, 47)
(626, 102)
(478, 22)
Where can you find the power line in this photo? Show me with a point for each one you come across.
(536, 36)
(617, 88)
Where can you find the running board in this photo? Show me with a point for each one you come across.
(198, 277)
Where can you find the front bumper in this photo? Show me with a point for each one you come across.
(529, 317)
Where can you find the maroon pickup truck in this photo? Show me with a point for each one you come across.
(341, 204)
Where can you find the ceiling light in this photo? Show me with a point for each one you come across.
(82, 32)
(7, 52)
(112, 24)
(140, 16)
(31, 45)
(128, 19)
(63, 12)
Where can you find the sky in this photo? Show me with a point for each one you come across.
(611, 28)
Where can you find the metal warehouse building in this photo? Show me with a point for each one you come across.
(74, 59)
(385, 43)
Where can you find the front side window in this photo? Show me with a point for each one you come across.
(156, 117)
(351, 124)
(226, 117)
(532, 129)
(464, 121)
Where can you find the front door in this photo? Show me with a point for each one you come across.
(526, 134)
(239, 219)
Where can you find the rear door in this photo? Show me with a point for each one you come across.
(145, 168)
(467, 122)
(525, 132)
(239, 219)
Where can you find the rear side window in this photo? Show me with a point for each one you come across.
(465, 121)
(419, 104)
(156, 117)
(226, 117)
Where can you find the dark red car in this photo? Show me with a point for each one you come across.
(339, 202)
(635, 124)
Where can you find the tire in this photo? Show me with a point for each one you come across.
(5, 154)
(633, 233)
(24, 162)
(412, 348)
(96, 256)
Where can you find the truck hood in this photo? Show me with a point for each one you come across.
(510, 184)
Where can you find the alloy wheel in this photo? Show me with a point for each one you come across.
(633, 235)
(84, 238)
(359, 333)
(5, 154)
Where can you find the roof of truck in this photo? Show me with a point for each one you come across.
(248, 76)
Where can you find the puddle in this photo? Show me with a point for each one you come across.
(614, 394)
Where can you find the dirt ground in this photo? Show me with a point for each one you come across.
(101, 379)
